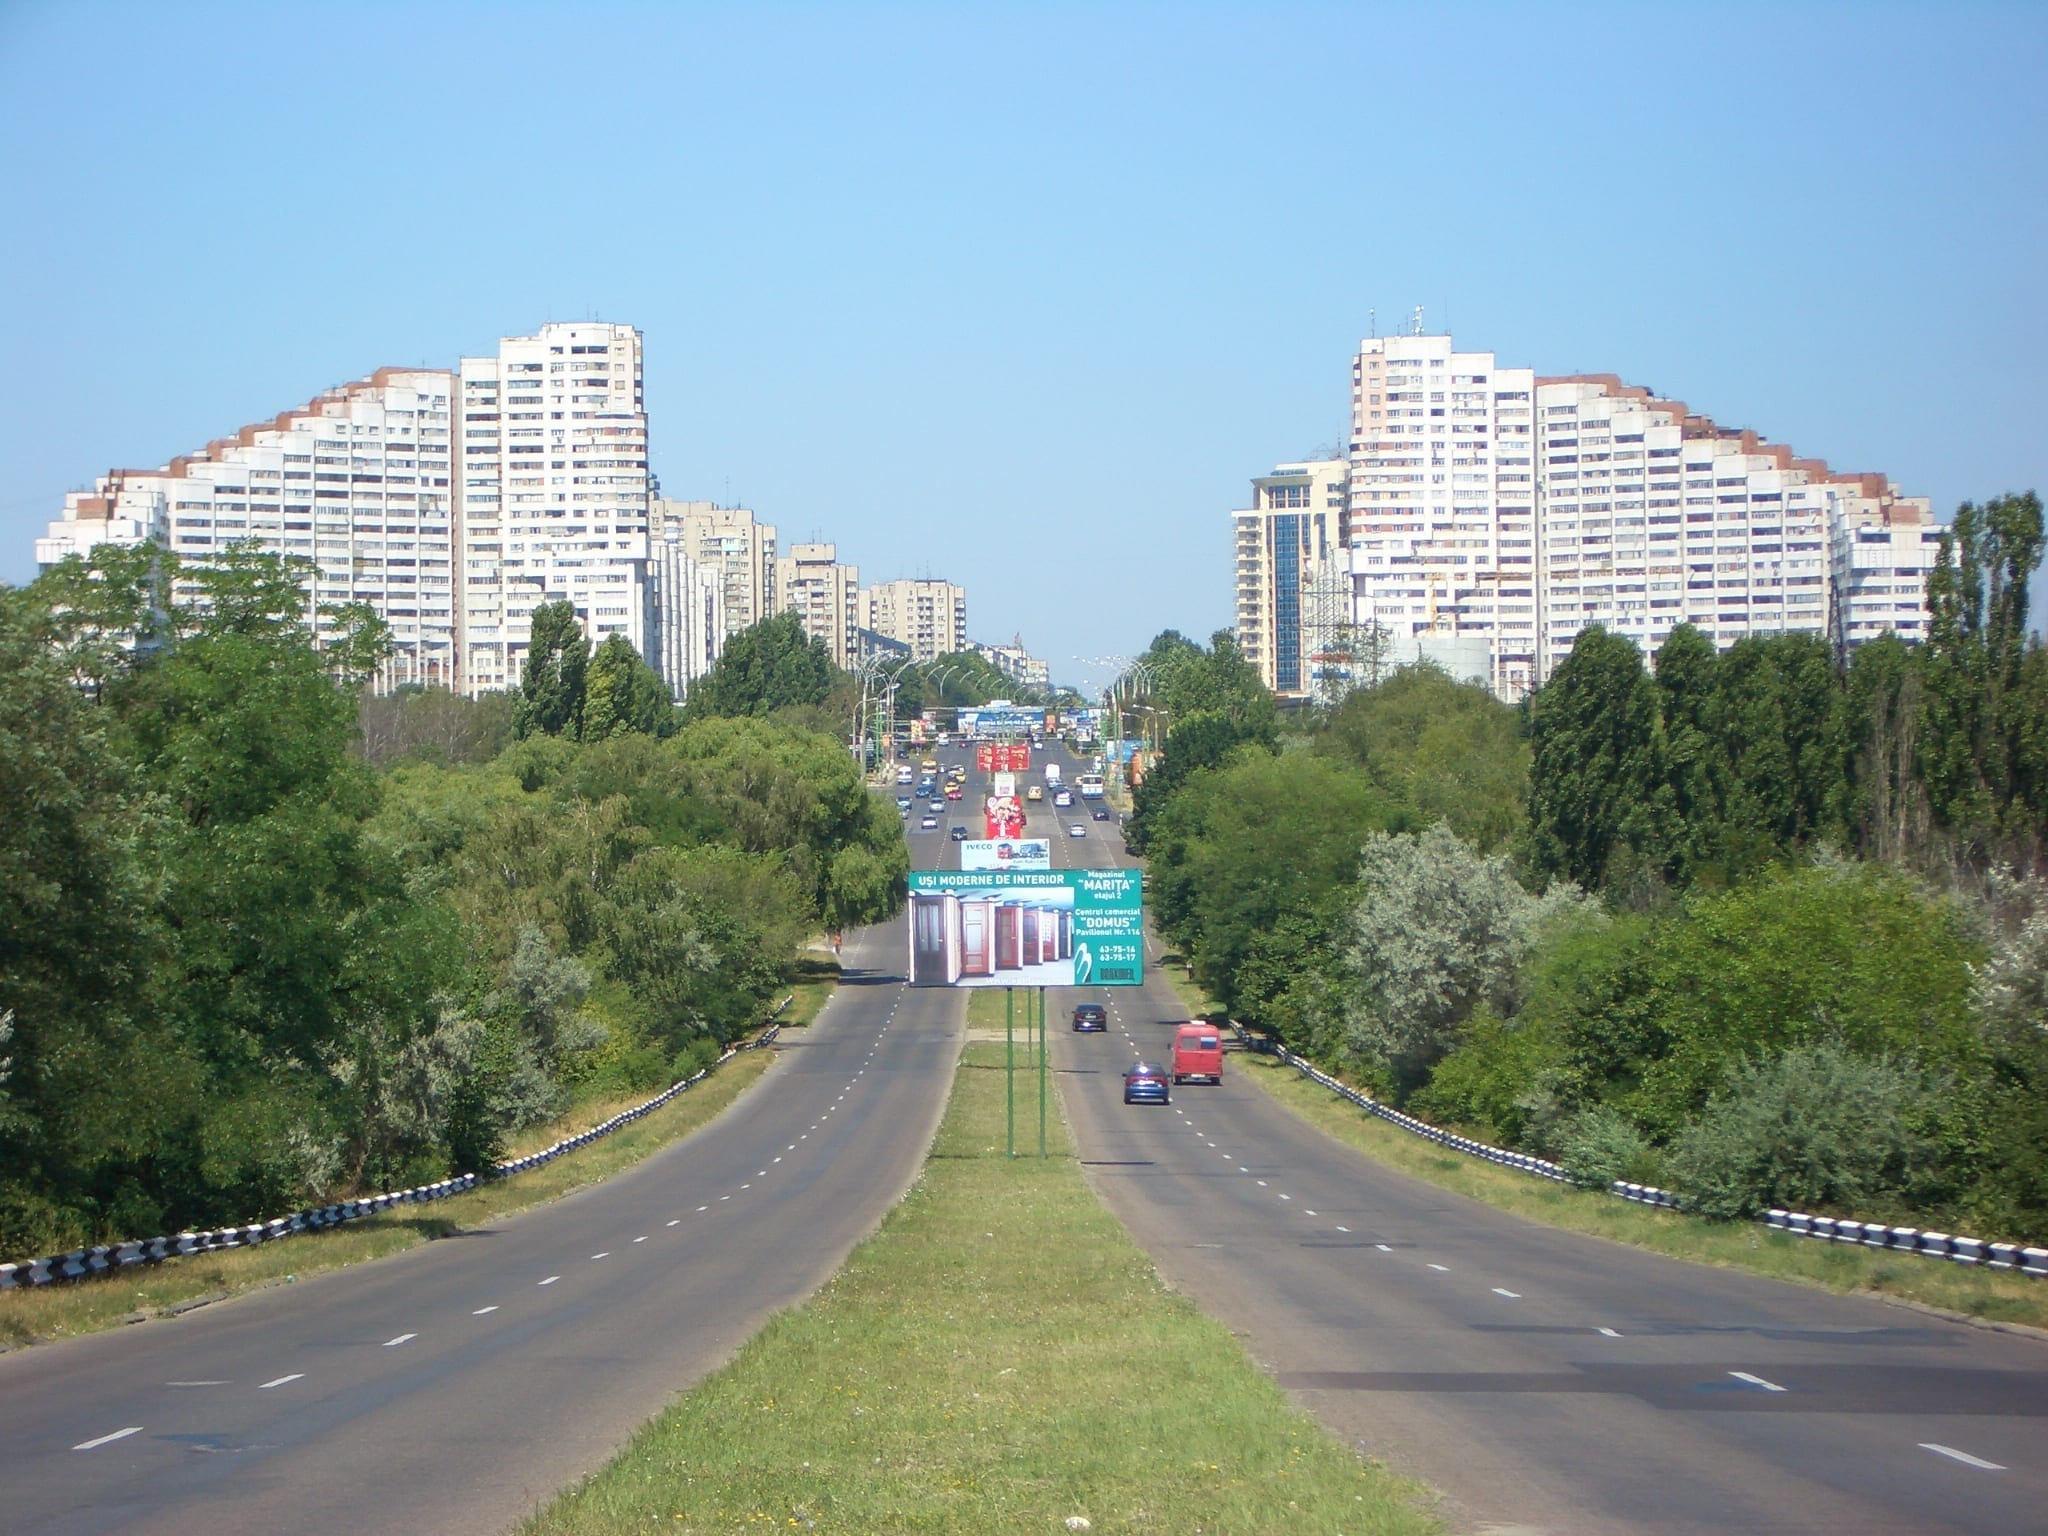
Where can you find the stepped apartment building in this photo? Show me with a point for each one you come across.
(356, 481)
(810, 582)
(733, 542)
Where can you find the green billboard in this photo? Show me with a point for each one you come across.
(1026, 928)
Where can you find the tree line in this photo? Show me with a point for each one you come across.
(270, 941)
(1766, 925)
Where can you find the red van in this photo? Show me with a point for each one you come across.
(1197, 1053)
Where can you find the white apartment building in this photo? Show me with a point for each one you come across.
(1442, 503)
(356, 482)
(1017, 664)
(689, 620)
(554, 493)
(1293, 571)
(732, 541)
(930, 617)
(810, 582)
(1652, 516)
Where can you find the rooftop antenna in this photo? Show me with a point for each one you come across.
(1372, 324)
(1417, 331)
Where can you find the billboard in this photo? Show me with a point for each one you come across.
(1002, 720)
(1026, 928)
(1006, 853)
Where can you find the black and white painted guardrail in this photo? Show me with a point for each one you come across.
(1867, 1234)
(106, 1258)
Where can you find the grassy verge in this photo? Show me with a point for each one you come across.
(999, 1357)
(1980, 1293)
(63, 1311)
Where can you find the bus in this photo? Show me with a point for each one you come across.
(1090, 785)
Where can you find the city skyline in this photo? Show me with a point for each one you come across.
(957, 291)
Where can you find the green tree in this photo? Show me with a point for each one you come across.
(553, 681)
(772, 665)
(623, 695)
(1599, 802)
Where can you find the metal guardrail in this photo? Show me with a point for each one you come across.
(108, 1258)
(1932, 1245)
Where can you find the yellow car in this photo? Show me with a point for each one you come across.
(1035, 792)
(930, 765)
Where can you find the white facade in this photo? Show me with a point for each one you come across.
(1652, 516)
(1442, 501)
(930, 617)
(1016, 663)
(1293, 573)
(689, 621)
(810, 582)
(732, 541)
(356, 482)
(552, 465)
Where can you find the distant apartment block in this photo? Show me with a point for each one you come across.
(688, 612)
(929, 617)
(732, 542)
(1293, 574)
(552, 473)
(825, 595)
(1443, 501)
(1653, 516)
(356, 481)
(1017, 664)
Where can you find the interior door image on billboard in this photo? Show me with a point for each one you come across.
(1025, 928)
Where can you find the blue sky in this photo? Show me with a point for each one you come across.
(1023, 295)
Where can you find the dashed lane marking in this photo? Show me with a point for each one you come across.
(1940, 1450)
(1500, 1290)
(551, 1279)
(401, 1339)
(1756, 1381)
(1442, 1269)
(119, 1434)
(297, 1375)
(483, 1311)
(1609, 1332)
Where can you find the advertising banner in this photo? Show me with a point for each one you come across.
(1014, 756)
(985, 757)
(1006, 853)
(1026, 928)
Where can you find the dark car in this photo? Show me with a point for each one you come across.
(1145, 1083)
(1102, 813)
(1090, 1016)
(958, 834)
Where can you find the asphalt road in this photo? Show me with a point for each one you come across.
(458, 1386)
(1542, 1380)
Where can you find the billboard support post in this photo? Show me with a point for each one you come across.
(1010, 1063)
(1044, 1071)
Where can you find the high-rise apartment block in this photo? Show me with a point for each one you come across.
(733, 542)
(1654, 516)
(357, 482)
(552, 467)
(1443, 500)
(810, 582)
(930, 617)
(1294, 573)
(1494, 515)
(687, 598)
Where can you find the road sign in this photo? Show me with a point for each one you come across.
(1026, 928)
(1006, 853)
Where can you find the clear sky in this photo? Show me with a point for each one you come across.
(1023, 295)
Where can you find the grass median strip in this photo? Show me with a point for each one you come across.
(1000, 1357)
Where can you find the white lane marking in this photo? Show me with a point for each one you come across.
(701, 1209)
(605, 1255)
(677, 1222)
(1610, 1333)
(484, 1311)
(771, 1165)
(1963, 1456)
(1756, 1381)
(551, 1279)
(790, 1148)
(119, 1434)
(1499, 1290)
(281, 1380)
(1308, 1213)
(762, 1174)
(640, 1239)
(725, 1197)
(1442, 1269)
(1282, 1196)
(1383, 1247)
(402, 1338)
(746, 1186)
(198, 1383)
(805, 1137)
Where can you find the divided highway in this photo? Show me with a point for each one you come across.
(1542, 1380)
(460, 1385)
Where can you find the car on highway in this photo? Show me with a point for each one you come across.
(1078, 829)
(903, 802)
(1197, 1053)
(955, 792)
(1035, 792)
(1102, 813)
(929, 824)
(1145, 1083)
(930, 765)
(1063, 798)
(1090, 1018)
(958, 834)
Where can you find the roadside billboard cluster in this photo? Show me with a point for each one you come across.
(1002, 720)
(1026, 928)
(1003, 756)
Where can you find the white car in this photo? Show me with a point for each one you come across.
(929, 824)
(1078, 829)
